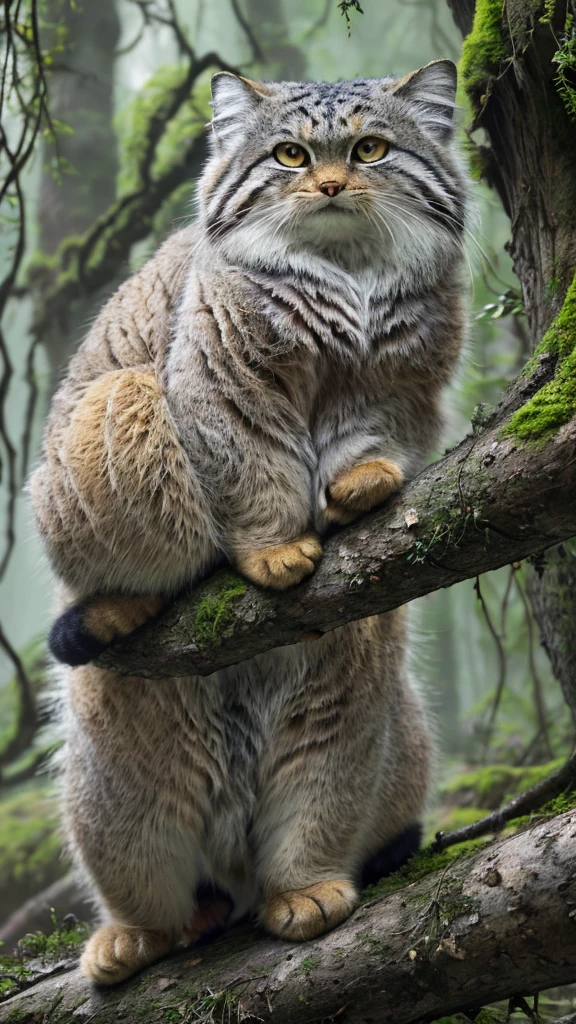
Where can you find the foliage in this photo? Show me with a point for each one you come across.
(565, 61)
(509, 303)
(345, 6)
(38, 949)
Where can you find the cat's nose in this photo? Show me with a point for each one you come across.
(331, 188)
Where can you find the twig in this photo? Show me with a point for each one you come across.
(525, 803)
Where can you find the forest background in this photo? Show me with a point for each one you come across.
(117, 72)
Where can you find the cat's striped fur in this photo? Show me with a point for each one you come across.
(275, 368)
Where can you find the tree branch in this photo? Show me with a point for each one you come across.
(487, 503)
(477, 930)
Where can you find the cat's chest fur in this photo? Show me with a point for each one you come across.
(326, 311)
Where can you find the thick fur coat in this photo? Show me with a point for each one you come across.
(274, 369)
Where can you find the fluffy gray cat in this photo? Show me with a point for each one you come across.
(274, 369)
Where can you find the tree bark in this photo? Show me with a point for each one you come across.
(552, 592)
(476, 931)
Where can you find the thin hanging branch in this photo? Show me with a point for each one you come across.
(502, 667)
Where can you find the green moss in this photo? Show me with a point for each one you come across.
(458, 1019)
(488, 1016)
(564, 802)
(37, 949)
(479, 160)
(452, 902)
(495, 783)
(215, 613)
(17, 1017)
(422, 864)
(555, 403)
(309, 963)
(483, 50)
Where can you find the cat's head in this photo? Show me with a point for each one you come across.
(363, 168)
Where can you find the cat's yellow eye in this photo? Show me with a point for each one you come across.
(370, 149)
(289, 154)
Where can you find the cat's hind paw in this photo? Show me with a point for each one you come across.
(282, 565)
(360, 489)
(82, 632)
(116, 951)
(303, 914)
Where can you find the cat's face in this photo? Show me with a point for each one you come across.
(361, 168)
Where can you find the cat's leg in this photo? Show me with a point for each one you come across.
(305, 837)
(281, 565)
(124, 520)
(359, 489)
(269, 533)
(345, 774)
(135, 802)
(316, 778)
(367, 449)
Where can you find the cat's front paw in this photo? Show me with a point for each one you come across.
(360, 489)
(82, 632)
(303, 914)
(283, 565)
(116, 951)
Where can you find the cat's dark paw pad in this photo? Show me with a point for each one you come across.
(71, 642)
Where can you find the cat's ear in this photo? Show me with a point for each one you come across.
(433, 89)
(233, 99)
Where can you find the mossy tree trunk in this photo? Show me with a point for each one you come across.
(520, 75)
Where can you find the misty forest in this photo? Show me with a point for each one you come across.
(103, 114)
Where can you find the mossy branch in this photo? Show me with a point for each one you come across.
(493, 500)
(450, 934)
